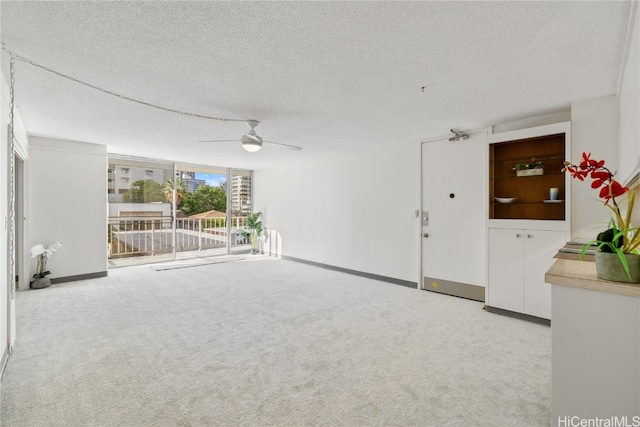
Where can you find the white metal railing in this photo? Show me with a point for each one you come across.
(149, 235)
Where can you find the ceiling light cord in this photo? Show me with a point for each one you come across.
(109, 92)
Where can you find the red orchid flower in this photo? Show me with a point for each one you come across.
(600, 178)
(615, 189)
(588, 163)
(579, 174)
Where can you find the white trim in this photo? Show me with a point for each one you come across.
(632, 180)
(190, 167)
(22, 198)
(562, 127)
(419, 226)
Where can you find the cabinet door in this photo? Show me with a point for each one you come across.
(506, 249)
(539, 249)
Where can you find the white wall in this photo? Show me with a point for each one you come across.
(594, 129)
(609, 128)
(68, 203)
(629, 106)
(351, 211)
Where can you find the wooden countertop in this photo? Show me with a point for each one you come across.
(582, 274)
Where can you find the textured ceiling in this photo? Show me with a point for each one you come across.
(327, 76)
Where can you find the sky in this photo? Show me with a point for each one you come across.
(213, 179)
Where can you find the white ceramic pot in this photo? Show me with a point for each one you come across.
(40, 283)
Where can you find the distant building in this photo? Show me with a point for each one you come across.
(241, 195)
(120, 178)
(190, 182)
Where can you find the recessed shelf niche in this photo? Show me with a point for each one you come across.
(531, 193)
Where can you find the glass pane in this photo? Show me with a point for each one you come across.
(201, 220)
(239, 191)
(141, 197)
(140, 220)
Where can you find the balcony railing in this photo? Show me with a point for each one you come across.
(147, 235)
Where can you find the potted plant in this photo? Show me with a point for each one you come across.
(253, 230)
(40, 279)
(617, 256)
(532, 167)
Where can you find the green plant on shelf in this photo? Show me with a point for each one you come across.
(531, 164)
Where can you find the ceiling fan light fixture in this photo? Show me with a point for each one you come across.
(251, 146)
(251, 141)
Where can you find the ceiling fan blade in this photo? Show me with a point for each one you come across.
(222, 140)
(290, 147)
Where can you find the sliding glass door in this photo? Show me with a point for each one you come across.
(201, 212)
(169, 210)
(240, 197)
(140, 221)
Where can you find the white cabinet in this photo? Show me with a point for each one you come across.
(518, 261)
(526, 229)
(595, 353)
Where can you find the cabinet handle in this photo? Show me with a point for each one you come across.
(518, 235)
(529, 236)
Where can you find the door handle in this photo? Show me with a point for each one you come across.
(425, 235)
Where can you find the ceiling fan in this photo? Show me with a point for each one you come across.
(252, 142)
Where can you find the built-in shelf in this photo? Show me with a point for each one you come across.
(525, 229)
(529, 190)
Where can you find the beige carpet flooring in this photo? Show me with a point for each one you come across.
(271, 342)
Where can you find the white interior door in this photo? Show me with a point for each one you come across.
(454, 188)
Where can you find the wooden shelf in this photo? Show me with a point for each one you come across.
(544, 159)
(513, 175)
(530, 190)
(529, 203)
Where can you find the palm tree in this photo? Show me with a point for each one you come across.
(181, 190)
